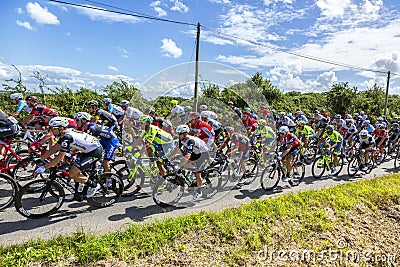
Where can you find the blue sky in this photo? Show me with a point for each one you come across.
(77, 47)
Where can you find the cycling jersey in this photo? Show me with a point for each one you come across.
(369, 141)
(101, 131)
(335, 137)
(8, 126)
(239, 140)
(193, 145)
(250, 124)
(163, 124)
(134, 113)
(290, 139)
(380, 133)
(83, 142)
(302, 118)
(117, 111)
(266, 132)
(214, 124)
(107, 119)
(206, 131)
(110, 108)
(42, 110)
(178, 110)
(156, 135)
(287, 121)
(23, 106)
(338, 123)
(210, 114)
(306, 131)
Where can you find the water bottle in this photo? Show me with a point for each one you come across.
(80, 187)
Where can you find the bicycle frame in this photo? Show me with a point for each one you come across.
(8, 149)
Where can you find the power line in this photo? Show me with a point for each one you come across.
(124, 13)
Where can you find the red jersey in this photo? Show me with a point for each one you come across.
(206, 131)
(250, 123)
(291, 139)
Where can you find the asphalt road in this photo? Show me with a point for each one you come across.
(78, 216)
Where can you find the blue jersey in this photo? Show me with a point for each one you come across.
(110, 108)
(22, 105)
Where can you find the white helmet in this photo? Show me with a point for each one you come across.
(83, 115)
(59, 122)
(363, 133)
(204, 114)
(107, 100)
(203, 107)
(283, 129)
(182, 129)
(16, 95)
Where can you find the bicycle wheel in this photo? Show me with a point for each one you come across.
(11, 160)
(212, 182)
(318, 167)
(111, 188)
(353, 167)
(133, 181)
(252, 169)
(23, 172)
(8, 188)
(39, 199)
(270, 177)
(168, 191)
(298, 171)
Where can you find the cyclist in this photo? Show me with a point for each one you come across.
(17, 99)
(320, 127)
(304, 132)
(335, 144)
(88, 147)
(176, 111)
(131, 116)
(284, 120)
(351, 132)
(394, 134)
(338, 122)
(381, 137)
(187, 110)
(203, 130)
(291, 146)
(210, 114)
(299, 116)
(240, 145)
(380, 120)
(108, 139)
(195, 153)
(9, 128)
(216, 126)
(116, 110)
(366, 125)
(40, 114)
(367, 142)
(265, 136)
(106, 118)
(161, 123)
(158, 143)
(235, 109)
(248, 122)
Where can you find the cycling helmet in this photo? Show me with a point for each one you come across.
(349, 121)
(283, 129)
(107, 100)
(174, 102)
(362, 113)
(338, 116)
(194, 115)
(187, 108)
(83, 115)
(59, 122)
(262, 122)
(16, 95)
(316, 111)
(367, 122)
(363, 133)
(349, 116)
(324, 120)
(300, 123)
(245, 112)
(204, 114)
(381, 126)
(281, 114)
(183, 128)
(329, 128)
(395, 124)
(146, 118)
(124, 103)
(203, 107)
(299, 112)
(229, 129)
(230, 103)
(93, 103)
(355, 114)
(50, 112)
(31, 99)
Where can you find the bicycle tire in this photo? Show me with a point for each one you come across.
(168, 191)
(47, 195)
(12, 160)
(213, 182)
(8, 189)
(107, 195)
(252, 169)
(298, 172)
(132, 183)
(315, 167)
(270, 177)
(23, 172)
(353, 167)
(397, 160)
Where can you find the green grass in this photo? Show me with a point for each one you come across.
(242, 230)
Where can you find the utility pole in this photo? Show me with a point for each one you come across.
(387, 94)
(196, 80)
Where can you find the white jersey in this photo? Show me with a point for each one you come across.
(194, 145)
(214, 124)
(83, 142)
(178, 110)
(118, 111)
(211, 114)
(133, 113)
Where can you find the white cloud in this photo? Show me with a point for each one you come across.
(20, 11)
(333, 8)
(41, 15)
(78, 49)
(156, 7)
(220, 1)
(268, 2)
(112, 68)
(98, 15)
(169, 48)
(125, 53)
(25, 24)
(179, 6)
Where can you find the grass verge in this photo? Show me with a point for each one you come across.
(349, 219)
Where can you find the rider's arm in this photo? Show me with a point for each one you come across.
(27, 120)
(284, 153)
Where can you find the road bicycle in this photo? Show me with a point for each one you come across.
(325, 162)
(43, 197)
(271, 175)
(358, 163)
(8, 189)
(169, 190)
(10, 157)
